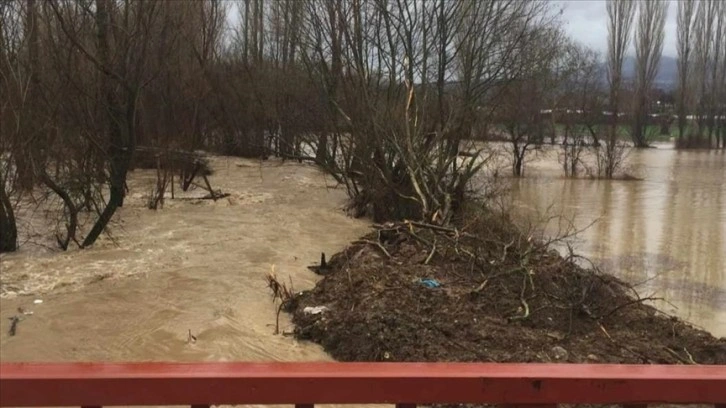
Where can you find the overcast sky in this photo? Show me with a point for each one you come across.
(586, 21)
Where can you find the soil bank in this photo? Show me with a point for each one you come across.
(411, 292)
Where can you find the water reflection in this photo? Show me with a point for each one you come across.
(667, 232)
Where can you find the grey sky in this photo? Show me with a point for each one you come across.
(586, 21)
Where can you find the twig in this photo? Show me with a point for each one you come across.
(431, 226)
(481, 287)
(377, 244)
(525, 306)
(674, 354)
(279, 291)
(605, 331)
(412, 233)
(439, 228)
(431, 255)
(626, 304)
(504, 252)
(690, 357)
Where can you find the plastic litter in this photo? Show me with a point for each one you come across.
(430, 283)
(38, 301)
(315, 310)
(25, 312)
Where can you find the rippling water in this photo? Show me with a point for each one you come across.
(195, 265)
(200, 265)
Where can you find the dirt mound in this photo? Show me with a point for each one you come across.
(413, 292)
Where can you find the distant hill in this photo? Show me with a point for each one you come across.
(667, 71)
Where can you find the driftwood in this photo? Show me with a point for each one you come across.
(13, 325)
(321, 269)
(147, 157)
(188, 164)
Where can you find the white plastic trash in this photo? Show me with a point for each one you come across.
(315, 310)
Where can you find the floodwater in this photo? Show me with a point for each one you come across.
(665, 233)
(194, 265)
(200, 266)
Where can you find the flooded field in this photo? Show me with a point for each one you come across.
(666, 233)
(199, 265)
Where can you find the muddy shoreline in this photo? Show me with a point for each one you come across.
(387, 298)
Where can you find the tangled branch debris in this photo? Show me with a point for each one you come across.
(502, 294)
(280, 291)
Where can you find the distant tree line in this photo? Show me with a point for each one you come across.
(701, 44)
(384, 95)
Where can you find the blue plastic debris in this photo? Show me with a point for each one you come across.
(430, 283)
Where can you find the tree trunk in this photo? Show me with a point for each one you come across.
(72, 210)
(517, 165)
(121, 122)
(8, 226)
(321, 155)
(639, 140)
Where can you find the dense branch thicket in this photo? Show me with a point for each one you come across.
(380, 93)
(407, 84)
(702, 73)
(394, 98)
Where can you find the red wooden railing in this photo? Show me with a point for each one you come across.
(404, 384)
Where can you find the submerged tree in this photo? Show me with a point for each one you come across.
(648, 49)
(524, 100)
(581, 120)
(406, 84)
(684, 44)
(706, 15)
(621, 14)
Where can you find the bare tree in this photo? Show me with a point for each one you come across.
(648, 50)
(401, 122)
(686, 13)
(120, 55)
(584, 95)
(716, 73)
(704, 29)
(524, 100)
(720, 70)
(386, 95)
(11, 118)
(621, 14)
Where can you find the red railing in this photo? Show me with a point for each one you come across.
(404, 384)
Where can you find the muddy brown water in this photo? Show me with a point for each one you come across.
(195, 265)
(666, 233)
(200, 265)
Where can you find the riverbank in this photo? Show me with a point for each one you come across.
(412, 292)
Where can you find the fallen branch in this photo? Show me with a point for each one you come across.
(678, 357)
(481, 287)
(412, 233)
(606, 332)
(626, 304)
(431, 254)
(523, 302)
(690, 357)
(376, 244)
(431, 227)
